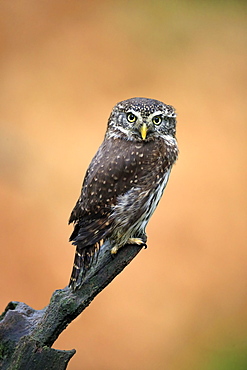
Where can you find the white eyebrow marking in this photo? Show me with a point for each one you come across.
(157, 113)
(137, 114)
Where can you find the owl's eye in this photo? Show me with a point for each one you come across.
(131, 117)
(157, 120)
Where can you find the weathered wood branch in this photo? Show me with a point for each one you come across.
(26, 335)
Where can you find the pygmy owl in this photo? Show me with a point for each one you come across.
(125, 180)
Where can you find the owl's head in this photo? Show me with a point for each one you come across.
(141, 119)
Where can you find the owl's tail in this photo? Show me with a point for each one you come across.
(84, 257)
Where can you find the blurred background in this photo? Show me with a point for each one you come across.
(182, 303)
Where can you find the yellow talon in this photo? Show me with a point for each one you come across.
(114, 250)
(137, 241)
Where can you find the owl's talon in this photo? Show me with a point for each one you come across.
(114, 250)
(131, 241)
(137, 241)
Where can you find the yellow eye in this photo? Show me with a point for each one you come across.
(157, 120)
(131, 117)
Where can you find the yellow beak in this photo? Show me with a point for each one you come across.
(143, 131)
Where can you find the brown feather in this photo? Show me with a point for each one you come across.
(121, 181)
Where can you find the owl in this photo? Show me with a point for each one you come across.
(124, 181)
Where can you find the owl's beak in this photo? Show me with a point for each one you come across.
(143, 130)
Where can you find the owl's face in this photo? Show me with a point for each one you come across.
(141, 119)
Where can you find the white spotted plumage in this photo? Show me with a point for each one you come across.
(125, 180)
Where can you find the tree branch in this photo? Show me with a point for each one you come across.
(26, 335)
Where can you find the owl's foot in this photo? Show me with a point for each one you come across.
(137, 241)
(131, 241)
(115, 249)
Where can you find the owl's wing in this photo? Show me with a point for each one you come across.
(117, 167)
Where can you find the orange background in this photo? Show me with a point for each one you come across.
(182, 303)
